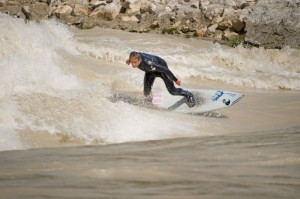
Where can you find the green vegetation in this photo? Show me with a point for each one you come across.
(236, 40)
(169, 30)
(85, 25)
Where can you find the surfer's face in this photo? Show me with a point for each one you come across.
(135, 62)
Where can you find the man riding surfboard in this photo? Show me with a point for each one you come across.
(154, 66)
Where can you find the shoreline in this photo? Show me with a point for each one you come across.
(229, 23)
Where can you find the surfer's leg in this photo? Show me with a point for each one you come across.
(178, 91)
(171, 87)
(148, 83)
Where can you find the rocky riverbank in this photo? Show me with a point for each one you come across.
(267, 23)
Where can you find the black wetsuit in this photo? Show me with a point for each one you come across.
(155, 66)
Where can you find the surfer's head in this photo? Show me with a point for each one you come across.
(134, 59)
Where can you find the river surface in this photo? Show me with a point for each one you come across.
(61, 135)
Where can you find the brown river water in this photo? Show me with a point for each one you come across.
(62, 137)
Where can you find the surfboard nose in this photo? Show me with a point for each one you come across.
(238, 99)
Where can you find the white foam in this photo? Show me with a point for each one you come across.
(29, 57)
(40, 93)
(30, 62)
(9, 138)
(93, 118)
(132, 124)
(256, 67)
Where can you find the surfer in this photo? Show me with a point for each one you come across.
(154, 66)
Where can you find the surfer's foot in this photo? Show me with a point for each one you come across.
(148, 99)
(190, 100)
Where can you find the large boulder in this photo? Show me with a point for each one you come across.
(131, 6)
(63, 11)
(108, 12)
(80, 10)
(274, 24)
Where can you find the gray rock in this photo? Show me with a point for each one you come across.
(224, 24)
(63, 10)
(268, 23)
(108, 12)
(3, 3)
(80, 10)
(96, 3)
(238, 24)
(26, 12)
(274, 24)
(213, 10)
(229, 35)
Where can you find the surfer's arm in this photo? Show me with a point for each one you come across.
(161, 69)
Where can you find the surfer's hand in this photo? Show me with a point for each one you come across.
(178, 82)
(127, 61)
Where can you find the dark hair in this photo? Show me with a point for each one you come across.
(134, 54)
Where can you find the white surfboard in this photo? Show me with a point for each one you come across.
(206, 100)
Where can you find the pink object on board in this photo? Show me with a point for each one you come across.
(157, 98)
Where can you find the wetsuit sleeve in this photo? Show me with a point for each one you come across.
(156, 67)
